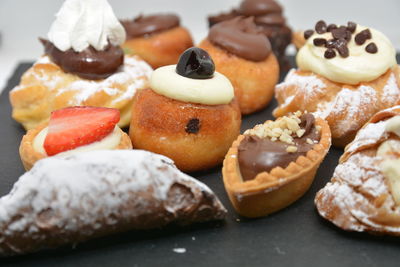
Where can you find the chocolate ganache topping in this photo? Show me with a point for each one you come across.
(241, 37)
(88, 64)
(262, 154)
(146, 25)
(259, 7)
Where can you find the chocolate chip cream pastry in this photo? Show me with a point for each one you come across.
(345, 75)
(83, 65)
(70, 199)
(364, 192)
(273, 164)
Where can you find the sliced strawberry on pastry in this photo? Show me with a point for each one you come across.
(72, 127)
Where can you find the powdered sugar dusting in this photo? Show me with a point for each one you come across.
(370, 134)
(391, 91)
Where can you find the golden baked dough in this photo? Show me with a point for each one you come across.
(253, 82)
(271, 191)
(160, 49)
(160, 124)
(29, 155)
(346, 108)
(45, 87)
(298, 39)
(358, 197)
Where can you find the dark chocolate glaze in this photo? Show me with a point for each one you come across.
(268, 15)
(88, 64)
(147, 25)
(241, 37)
(258, 155)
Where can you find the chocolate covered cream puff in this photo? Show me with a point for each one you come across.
(345, 75)
(268, 15)
(158, 39)
(83, 65)
(189, 113)
(242, 53)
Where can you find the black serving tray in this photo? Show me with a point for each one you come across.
(295, 236)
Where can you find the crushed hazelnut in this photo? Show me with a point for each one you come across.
(291, 149)
(309, 141)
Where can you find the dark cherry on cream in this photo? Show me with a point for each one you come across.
(195, 63)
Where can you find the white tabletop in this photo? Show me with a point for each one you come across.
(23, 21)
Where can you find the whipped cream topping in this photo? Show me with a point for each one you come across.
(217, 90)
(83, 23)
(359, 66)
(111, 141)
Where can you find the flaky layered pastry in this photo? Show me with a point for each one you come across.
(46, 87)
(363, 194)
(69, 199)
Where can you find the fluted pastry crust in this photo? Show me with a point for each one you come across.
(254, 82)
(271, 191)
(346, 108)
(358, 197)
(69, 199)
(45, 87)
(29, 155)
(160, 49)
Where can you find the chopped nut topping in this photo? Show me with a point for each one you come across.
(309, 141)
(291, 149)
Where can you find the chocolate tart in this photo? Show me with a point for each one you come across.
(271, 191)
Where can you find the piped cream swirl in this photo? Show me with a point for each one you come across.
(217, 90)
(360, 66)
(83, 23)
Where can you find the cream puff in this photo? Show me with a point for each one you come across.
(345, 75)
(74, 130)
(158, 39)
(188, 114)
(83, 65)
(243, 54)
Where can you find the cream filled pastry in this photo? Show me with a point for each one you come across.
(74, 130)
(189, 113)
(364, 192)
(345, 75)
(158, 38)
(83, 65)
(243, 54)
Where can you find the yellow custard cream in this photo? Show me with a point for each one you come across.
(359, 66)
(217, 90)
(109, 142)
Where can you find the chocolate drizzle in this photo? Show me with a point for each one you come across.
(88, 64)
(256, 155)
(147, 25)
(241, 37)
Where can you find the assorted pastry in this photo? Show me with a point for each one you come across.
(268, 15)
(272, 165)
(345, 75)
(188, 114)
(74, 130)
(83, 65)
(243, 54)
(158, 39)
(68, 199)
(364, 193)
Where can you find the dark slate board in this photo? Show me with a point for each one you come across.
(295, 236)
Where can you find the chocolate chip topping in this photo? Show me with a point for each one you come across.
(331, 27)
(351, 26)
(319, 42)
(308, 34)
(341, 33)
(321, 27)
(341, 47)
(363, 36)
(146, 25)
(371, 48)
(88, 64)
(193, 126)
(329, 53)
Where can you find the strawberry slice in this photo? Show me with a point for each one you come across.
(72, 127)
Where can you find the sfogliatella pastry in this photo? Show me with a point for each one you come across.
(72, 198)
(242, 53)
(158, 39)
(273, 164)
(83, 65)
(268, 15)
(189, 113)
(345, 75)
(364, 193)
(74, 130)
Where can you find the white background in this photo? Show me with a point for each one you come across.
(23, 21)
